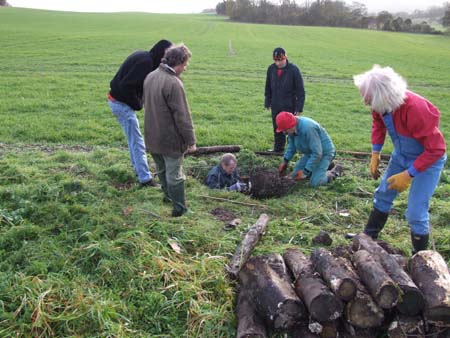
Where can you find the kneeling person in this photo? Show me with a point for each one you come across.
(225, 175)
(309, 138)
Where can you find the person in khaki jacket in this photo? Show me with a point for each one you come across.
(168, 128)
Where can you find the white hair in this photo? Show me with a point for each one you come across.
(382, 88)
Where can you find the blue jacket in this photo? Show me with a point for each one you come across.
(218, 179)
(312, 140)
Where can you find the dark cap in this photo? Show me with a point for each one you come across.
(279, 53)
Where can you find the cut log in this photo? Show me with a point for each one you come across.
(349, 331)
(250, 325)
(269, 153)
(405, 327)
(430, 273)
(274, 298)
(324, 329)
(245, 248)
(337, 278)
(361, 312)
(322, 304)
(382, 288)
(362, 154)
(402, 261)
(277, 263)
(411, 301)
(214, 149)
(302, 332)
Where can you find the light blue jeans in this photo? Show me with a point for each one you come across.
(130, 125)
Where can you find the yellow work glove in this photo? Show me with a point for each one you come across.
(400, 182)
(374, 163)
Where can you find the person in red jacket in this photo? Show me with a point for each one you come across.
(419, 152)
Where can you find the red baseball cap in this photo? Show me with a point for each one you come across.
(285, 120)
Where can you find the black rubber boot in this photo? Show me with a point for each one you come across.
(376, 222)
(419, 242)
(335, 172)
(177, 195)
(163, 181)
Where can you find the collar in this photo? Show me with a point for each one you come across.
(170, 69)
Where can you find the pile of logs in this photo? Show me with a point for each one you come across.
(366, 293)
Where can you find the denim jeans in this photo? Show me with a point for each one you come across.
(130, 125)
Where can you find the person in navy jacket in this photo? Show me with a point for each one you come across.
(284, 91)
(419, 152)
(225, 175)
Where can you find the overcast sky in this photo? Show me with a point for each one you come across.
(194, 6)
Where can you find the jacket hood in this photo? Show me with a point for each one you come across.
(157, 52)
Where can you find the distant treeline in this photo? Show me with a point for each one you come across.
(322, 13)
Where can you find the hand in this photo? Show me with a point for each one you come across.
(192, 148)
(300, 175)
(296, 113)
(282, 168)
(374, 163)
(400, 182)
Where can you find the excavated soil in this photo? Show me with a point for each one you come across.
(268, 184)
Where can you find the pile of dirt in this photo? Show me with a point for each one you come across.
(267, 183)
(223, 214)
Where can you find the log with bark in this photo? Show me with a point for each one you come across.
(382, 288)
(430, 273)
(361, 312)
(411, 300)
(339, 281)
(406, 326)
(214, 149)
(302, 332)
(362, 154)
(322, 304)
(269, 153)
(274, 298)
(277, 263)
(245, 248)
(347, 330)
(250, 325)
(325, 329)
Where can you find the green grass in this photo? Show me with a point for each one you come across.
(84, 251)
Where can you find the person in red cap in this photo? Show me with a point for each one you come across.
(309, 138)
(284, 92)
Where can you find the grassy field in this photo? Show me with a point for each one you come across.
(84, 251)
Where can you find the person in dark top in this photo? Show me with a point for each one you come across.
(284, 92)
(126, 97)
(225, 175)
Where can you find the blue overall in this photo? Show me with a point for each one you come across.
(406, 150)
(317, 148)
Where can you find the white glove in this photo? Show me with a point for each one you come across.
(236, 187)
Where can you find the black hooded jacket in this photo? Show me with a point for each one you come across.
(127, 84)
(285, 92)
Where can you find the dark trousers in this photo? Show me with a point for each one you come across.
(278, 138)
